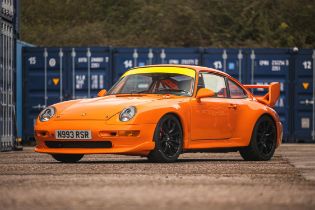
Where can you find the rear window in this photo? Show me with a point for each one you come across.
(236, 91)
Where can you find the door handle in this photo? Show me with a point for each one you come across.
(232, 106)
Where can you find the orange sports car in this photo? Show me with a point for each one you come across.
(161, 111)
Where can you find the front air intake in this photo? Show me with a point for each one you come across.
(78, 144)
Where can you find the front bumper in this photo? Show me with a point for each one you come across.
(139, 142)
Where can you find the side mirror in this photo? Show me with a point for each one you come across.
(102, 93)
(204, 93)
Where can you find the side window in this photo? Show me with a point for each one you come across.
(213, 82)
(236, 91)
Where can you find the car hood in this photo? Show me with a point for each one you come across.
(102, 108)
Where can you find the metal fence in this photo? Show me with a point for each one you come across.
(7, 75)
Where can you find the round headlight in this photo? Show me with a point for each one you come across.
(127, 114)
(46, 114)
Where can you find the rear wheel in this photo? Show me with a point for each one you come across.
(263, 142)
(66, 158)
(168, 137)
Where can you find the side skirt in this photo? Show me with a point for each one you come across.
(213, 150)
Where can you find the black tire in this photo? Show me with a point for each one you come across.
(168, 137)
(263, 141)
(66, 158)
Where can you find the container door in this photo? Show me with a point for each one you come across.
(185, 56)
(45, 83)
(89, 71)
(304, 125)
(231, 61)
(272, 65)
(126, 58)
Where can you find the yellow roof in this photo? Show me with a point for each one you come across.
(162, 69)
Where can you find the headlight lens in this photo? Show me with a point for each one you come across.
(46, 114)
(127, 114)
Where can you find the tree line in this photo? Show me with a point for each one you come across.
(169, 23)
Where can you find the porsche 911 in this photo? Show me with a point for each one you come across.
(162, 111)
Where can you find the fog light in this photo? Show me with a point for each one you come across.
(128, 133)
(42, 133)
(107, 133)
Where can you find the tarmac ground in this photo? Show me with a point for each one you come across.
(29, 180)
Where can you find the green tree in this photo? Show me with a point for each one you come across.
(172, 23)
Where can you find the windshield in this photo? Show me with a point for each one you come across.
(154, 83)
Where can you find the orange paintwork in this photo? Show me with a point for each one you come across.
(222, 123)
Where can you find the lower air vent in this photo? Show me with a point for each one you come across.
(78, 144)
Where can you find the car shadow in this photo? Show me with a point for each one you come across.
(144, 161)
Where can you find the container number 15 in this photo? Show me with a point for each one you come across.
(32, 60)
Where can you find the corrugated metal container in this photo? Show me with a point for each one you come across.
(19, 82)
(90, 71)
(7, 85)
(272, 65)
(185, 56)
(56, 74)
(231, 61)
(126, 58)
(304, 112)
(52, 75)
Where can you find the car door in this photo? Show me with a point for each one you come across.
(238, 104)
(210, 117)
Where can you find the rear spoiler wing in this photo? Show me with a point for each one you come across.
(271, 98)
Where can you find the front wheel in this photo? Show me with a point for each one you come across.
(263, 142)
(66, 158)
(168, 137)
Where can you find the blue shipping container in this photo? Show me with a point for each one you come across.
(52, 75)
(126, 58)
(304, 125)
(89, 71)
(19, 88)
(272, 65)
(57, 74)
(184, 56)
(231, 61)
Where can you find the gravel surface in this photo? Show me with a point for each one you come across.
(197, 181)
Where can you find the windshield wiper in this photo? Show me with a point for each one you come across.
(136, 92)
(131, 93)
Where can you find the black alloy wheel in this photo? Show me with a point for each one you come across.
(168, 137)
(66, 158)
(263, 142)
